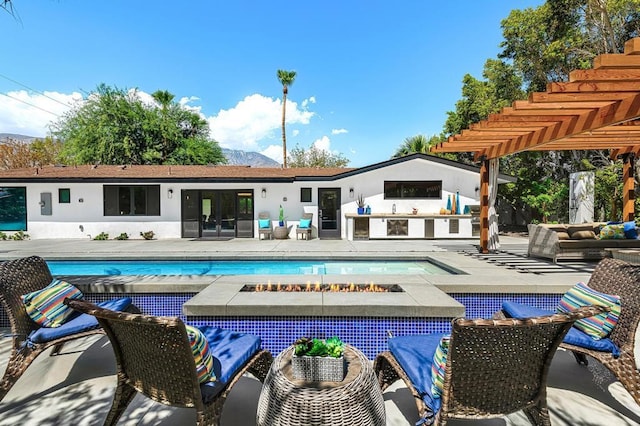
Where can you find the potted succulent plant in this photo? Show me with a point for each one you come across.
(360, 203)
(317, 360)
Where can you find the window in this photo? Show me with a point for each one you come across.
(305, 195)
(142, 200)
(413, 189)
(245, 205)
(64, 195)
(13, 209)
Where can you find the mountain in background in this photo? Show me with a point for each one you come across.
(234, 157)
(243, 158)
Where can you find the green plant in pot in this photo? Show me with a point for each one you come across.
(318, 360)
(360, 203)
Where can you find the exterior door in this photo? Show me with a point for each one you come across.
(218, 211)
(329, 213)
(190, 214)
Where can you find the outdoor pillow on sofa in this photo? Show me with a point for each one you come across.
(264, 223)
(231, 351)
(201, 354)
(415, 354)
(573, 337)
(79, 323)
(612, 232)
(46, 307)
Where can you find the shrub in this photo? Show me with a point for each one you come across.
(3, 236)
(101, 236)
(123, 236)
(19, 236)
(148, 235)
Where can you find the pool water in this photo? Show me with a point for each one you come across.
(243, 267)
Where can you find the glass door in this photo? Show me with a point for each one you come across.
(329, 213)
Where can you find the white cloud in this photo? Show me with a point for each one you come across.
(339, 131)
(324, 143)
(32, 114)
(295, 132)
(306, 102)
(254, 119)
(274, 152)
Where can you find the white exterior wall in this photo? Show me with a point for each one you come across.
(86, 219)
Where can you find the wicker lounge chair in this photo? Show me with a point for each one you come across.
(493, 367)
(153, 357)
(266, 231)
(305, 232)
(22, 276)
(610, 276)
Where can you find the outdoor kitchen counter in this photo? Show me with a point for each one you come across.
(409, 226)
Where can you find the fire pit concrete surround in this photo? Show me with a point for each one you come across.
(419, 298)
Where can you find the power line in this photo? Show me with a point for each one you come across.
(30, 104)
(33, 90)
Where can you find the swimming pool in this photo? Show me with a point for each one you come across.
(244, 267)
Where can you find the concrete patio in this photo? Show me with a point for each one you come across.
(76, 387)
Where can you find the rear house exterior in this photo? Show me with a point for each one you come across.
(406, 198)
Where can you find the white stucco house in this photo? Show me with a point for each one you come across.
(406, 197)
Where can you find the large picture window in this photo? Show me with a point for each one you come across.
(141, 200)
(413, 189)
(13, 209)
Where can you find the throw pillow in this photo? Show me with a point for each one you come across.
(598, 326)
(583, 235)
(264, 223)
(612, 232)
(201, 354)
(304, 223)
(562, 235)
(46, 307)
(438, 366)
(630, 230)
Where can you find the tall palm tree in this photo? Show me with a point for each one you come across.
(286, 78)
(418, 143)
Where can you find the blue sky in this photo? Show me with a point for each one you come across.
(369, 74)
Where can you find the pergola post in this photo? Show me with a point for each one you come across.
(628, 187)
(484, 205)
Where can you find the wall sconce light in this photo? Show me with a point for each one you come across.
(351, 192)
(169, 193)
(263, 193)
(477, 188)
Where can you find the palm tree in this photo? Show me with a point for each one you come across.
(418, 143)
(286, 78)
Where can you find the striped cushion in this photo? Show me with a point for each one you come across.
(598, 326)
(438, 366)
(201, 354)
(46, 307)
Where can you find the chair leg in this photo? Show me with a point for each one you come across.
(581, 359)
(121, 400)
(539, 414)
(57, 348)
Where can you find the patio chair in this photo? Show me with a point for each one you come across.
(304, 228)
(154, 357)
(493, 367)
(265, 226)
(22, 276)
(610, 276)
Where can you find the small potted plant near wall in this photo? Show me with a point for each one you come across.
(360, 203)
(317, 360)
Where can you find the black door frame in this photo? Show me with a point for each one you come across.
(329, 216)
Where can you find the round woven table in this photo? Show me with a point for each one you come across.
(281, 232)
(356, 400)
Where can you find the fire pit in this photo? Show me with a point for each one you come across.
(317, 287)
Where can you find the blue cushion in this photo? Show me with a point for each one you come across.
(415, 356)
(78, 323)
(304, 223)
(231, 351)
(630, 230)
(264, 223)
(573, 337)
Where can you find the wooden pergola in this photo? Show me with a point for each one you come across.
(597, 109)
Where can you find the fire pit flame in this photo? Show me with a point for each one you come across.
(318, 287)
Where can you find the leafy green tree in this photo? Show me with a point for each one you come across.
(286, 78)
(315, 157)
(40, 152)
(113, 126)
(412, 145)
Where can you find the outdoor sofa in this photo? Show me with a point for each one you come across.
(574, 242)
